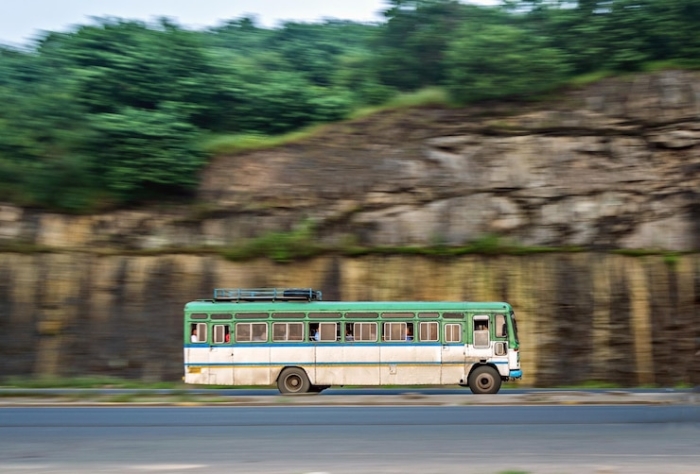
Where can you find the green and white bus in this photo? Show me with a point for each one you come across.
(291, 337)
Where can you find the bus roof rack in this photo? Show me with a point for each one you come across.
(267, 294)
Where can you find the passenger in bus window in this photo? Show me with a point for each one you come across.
(317, 335)
(348, 334)
(409, 332)
(194, 337)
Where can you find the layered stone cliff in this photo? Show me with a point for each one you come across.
(613, 165)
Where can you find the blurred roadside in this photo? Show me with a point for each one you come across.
(418, 397)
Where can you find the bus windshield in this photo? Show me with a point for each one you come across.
(515, 327)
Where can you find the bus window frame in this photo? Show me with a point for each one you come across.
(429, 324)
(286, 325)
(356, 324)
(477, 318)
(200, 339)
(500, 326)
(216, 340)
(451, 325)
(321, 331)
(388, 331)
(252, 337)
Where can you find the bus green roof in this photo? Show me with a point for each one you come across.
(345, 306)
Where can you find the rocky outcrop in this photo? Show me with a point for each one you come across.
(612, 165)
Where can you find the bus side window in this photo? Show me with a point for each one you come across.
(282, 332)
(428, 331)
(251, 332)
(481, 332)
(314, 332)
(221, 334)
(365, 331)
(453, 332)
(394, 332)
(199, 332)
(501, 328)
(260, 332)
(348, 333)
(328, 332)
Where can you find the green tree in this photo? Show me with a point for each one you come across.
(356, 74)
(501, 61)
(41, 132)
(120, 63)
(616, 35)
(285, 101)
(410, 46)
(145, 154)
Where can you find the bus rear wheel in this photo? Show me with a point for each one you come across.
(293, 380)
(484, 380)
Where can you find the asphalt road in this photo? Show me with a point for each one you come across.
(335, 439)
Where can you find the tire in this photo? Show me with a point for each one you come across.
(293, 380)
(484, 380)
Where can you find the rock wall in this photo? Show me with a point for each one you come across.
(624, 320)
(613, 165)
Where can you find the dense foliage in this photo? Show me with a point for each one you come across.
(114, 112)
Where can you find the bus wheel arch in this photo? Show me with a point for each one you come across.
(484, 379)
(293, 380)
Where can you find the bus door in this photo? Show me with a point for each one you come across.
(481, 338)
(197, 354)
(453, 359)
(221, 355)
(500, 344)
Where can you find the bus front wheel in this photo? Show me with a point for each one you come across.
(484, 380)
(293, 380)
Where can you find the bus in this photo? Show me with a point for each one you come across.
(291, 337)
